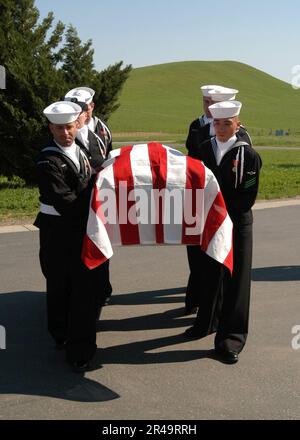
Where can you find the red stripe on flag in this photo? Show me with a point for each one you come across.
(215, 218)
(91, 255)
(195, 179)
(126, 149)
(158, 163)
(95, 205)
(228, 262)
(123, 173)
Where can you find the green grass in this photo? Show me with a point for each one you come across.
(276, 141)
(280, 174)
(166, 98)
(17, 200)
(280, 178)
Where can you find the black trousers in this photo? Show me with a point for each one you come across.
(224, 300)
(204, 289)
(106, 288)
(196, 260)
(73, 291)
(234, 317)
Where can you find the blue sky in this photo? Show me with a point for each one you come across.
(264, 34)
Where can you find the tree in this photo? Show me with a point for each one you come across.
(32, 81)
(78, 69)
(77, 65)
(107, 85)
(40, 68)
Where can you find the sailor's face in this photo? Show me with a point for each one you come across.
(64, 134)
(82, 118)
(226, 128)
(90, 109)
(206, 103)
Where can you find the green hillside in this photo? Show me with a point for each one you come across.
(166, 98)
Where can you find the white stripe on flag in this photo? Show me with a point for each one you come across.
(107, 182)
(220, 244)
(97, 233)
(173, 210)
(143, 185)
(113, 153)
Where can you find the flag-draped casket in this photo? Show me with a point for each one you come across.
(152, 194)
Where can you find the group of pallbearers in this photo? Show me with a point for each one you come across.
(67, 169)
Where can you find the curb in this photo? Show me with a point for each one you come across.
(258, 206)
(17, 228)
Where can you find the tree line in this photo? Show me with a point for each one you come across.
(42, 63)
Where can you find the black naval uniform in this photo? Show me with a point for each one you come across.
(238, 177)
(104, 133)
(96, 152)
(71, 287)
(199, 132)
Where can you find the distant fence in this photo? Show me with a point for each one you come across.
(272, 131)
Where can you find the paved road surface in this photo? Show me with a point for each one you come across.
(148, 370)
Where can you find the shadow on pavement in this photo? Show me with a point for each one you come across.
(276, 273)
(30, 365)
(150, 297)
(138, 352)
(167, 319)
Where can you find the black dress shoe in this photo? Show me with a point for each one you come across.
(81, 366)
(190, 310)
(194, 333)
(106, 301)
(227, 356)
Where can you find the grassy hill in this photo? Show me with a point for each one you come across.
(166, 98)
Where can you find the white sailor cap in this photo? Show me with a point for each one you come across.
(225, 109)
(220, 93)
(83, 94)
(62, 112)
(205, 89)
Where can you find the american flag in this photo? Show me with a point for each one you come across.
(156, 167)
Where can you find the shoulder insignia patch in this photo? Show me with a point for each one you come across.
(250, 182)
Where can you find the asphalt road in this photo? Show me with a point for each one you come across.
(146, 369)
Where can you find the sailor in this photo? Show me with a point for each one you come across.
(86, 138)
(65, 181)
(236, 166)
(95, 149)
(201, 130)
(94, 123)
